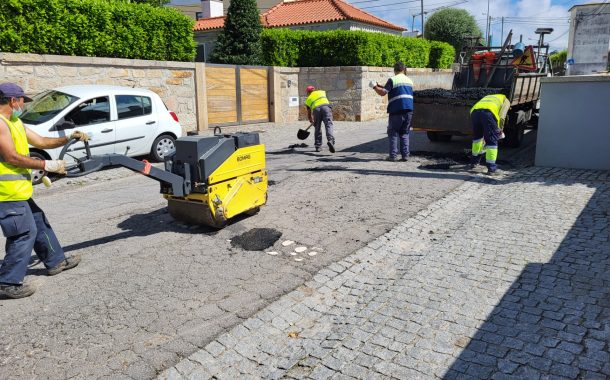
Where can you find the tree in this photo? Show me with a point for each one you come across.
(240, 41)
(451, 25)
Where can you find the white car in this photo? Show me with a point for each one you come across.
(123, 120)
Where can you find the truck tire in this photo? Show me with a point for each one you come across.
(534, 120)
(437, 136)
(514, 135)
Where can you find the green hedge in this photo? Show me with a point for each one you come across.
(95, 28)
(441, 55)
(292, 48)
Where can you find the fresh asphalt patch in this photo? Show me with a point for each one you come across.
(256, 239)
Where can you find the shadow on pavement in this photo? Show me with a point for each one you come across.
(395, 173)
(144, 225)
(554, 321)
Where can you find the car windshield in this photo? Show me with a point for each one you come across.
(46, 106)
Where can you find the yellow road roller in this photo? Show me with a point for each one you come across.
(207, 181)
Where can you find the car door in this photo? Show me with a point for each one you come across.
(93, 117)
(136, 124)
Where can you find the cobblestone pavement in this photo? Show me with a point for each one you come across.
(501, 278)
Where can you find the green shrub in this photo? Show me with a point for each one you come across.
(285, 47)
(558, 59)
(95, 28)
(441, 55)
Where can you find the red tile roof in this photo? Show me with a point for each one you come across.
(302, 12)
(210, 23)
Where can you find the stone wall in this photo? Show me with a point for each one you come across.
(347, 88)
(182, 85)
(374, 106)
(173, 81)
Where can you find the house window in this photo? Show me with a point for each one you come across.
(198, 15)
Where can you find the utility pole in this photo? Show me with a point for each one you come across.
(422, 18)
(413, 24)
(502, 32)
(487, 26)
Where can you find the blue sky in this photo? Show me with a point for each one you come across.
(522, 16)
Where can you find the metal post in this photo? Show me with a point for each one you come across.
(487, 26)
(422, 18)
(413, 24)
(502, 32)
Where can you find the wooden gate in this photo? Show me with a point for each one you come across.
(237, 94)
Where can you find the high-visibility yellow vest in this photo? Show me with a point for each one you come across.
(491, 103)
(15, 183)
(316, 98)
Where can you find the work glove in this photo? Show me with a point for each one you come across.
(78, 135)
(55, 166)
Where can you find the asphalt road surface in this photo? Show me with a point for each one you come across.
(150, 291)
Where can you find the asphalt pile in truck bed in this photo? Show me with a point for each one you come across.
(461, 94)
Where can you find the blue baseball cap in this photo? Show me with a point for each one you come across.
(12, 90)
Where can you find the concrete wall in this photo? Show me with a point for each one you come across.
(173, 81)
(589, 40)
(285, 84)
(574, 126)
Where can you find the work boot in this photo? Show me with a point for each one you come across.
(331, 147)
(390, 158)
(404, 159)
(318, 149)
(17, 291)
(68, 263)
(492, 172)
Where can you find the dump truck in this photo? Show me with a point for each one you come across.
(513, 70)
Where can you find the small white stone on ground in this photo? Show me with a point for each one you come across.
(286, 243)
(272, 253)
(312, 253)
(300, 249)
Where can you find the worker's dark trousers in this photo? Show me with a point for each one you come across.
(324, 114)
(26, 227)
(485, 127)
(399, 125)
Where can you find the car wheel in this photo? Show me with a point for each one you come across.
(162, 147)
(37, 174)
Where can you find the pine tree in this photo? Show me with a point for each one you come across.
(240, 41)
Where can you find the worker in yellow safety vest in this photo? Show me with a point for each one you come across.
(488, 116)
(23, 223)
(319, 110)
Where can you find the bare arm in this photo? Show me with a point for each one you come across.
(503, 112)
(309, 117)
(380, 90)
(44, 142)
(10, 155)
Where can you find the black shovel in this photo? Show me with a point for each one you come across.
(302, 134)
